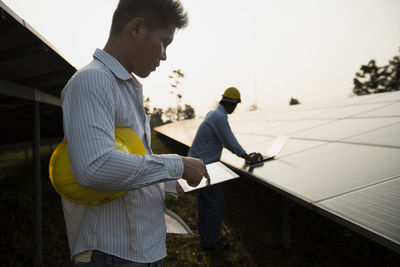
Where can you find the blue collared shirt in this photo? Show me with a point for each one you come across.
(214, 133)
(99, 98)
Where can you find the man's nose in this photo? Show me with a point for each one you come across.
(163, 56)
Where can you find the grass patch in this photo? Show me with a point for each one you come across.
(252, 226)
(17, 209)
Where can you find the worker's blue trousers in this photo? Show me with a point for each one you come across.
(210, 204)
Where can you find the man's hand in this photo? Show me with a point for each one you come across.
(253, 158)
(194, 170)
(179, 189)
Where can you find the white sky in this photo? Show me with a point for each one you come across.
(270, 50)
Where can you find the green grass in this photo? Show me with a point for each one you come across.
(252, 226)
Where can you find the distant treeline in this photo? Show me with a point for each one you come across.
(158, 116)
(372, 79)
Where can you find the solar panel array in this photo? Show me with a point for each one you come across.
(31, 70)
(342, 158)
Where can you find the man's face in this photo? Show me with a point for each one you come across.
(152, 49)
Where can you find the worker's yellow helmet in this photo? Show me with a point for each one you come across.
(63, 180)
(232, 94)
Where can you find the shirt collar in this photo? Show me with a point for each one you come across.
(222, 109)
(112, 64)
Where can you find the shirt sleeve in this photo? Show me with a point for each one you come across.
(89, 116)
(228, 139)
(170, 187)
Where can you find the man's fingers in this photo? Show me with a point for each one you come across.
(194, 171)
(207, 175)
(179, 189)
(191, 183)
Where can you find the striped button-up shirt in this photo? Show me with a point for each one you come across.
(100, 97)
(214, 134)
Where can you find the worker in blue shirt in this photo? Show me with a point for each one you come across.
(214, 133)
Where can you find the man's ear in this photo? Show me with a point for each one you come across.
(136, 28)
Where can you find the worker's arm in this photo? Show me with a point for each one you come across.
(226, 136)
(89, 112)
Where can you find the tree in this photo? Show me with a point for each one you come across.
(146, 104)
(293, 101)
(178, 113)
(188, 112)
(170, 113)
(372, 79)
(174, 114)
(175, 78)
(393, 83)
(156, 118)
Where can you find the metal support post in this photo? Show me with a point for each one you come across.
(37, 186)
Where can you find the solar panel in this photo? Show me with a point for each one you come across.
(376, 207)
(387, 136)
(340, 129)
(259, 127)
(391, 109)
(328, 170)
(348, 111)
(387, 97)
(182, 131)
(295, 126)
(250, 140)
(342, 158)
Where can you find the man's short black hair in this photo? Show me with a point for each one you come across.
(157, 13)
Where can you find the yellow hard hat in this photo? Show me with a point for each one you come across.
(232, 94)
(63, 180)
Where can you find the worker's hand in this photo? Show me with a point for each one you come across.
(179, 189)
(253, 157)
(194, 170)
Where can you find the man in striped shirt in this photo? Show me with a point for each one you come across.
(105, 95)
